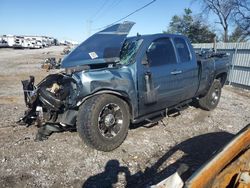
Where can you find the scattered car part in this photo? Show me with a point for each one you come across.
(51, 63)
(173, 181)
(30, 96)
(66, 50)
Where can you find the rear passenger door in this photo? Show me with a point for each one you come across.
(187, 65)
(163, 68)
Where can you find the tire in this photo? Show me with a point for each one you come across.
(103, 122)
(211, 99)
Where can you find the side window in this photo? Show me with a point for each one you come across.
(182, 49)
(161, 52)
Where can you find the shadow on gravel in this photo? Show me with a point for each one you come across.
(197, 151)
(109, 176)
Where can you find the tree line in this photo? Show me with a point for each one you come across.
(231, 14)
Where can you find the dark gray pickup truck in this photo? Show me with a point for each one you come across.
(111, 80)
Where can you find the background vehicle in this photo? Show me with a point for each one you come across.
(111, 81)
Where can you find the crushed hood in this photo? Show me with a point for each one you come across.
(102, 47)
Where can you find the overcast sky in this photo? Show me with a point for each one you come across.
(72, 19)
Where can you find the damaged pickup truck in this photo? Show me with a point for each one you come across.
(111, 80)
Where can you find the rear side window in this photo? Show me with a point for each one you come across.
(182, 49)
(161, 52)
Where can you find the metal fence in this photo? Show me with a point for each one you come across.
(239, 73)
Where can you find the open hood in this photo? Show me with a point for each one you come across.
(102, 47)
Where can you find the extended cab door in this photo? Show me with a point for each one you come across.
(160, 87)
(187, 65)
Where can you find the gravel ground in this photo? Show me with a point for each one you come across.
(148, 155)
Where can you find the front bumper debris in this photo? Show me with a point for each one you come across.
(51, 105)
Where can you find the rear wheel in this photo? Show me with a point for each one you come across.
(103, 122)
(211, 99)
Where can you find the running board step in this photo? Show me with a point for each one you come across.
(151, 117)
(155, 119)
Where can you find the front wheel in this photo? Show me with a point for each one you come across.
(103, 122)
(211, 99)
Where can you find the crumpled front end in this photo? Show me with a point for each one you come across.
(53, 100)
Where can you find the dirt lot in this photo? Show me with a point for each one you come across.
(148, 155)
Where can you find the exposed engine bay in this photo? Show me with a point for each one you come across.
(51, 103)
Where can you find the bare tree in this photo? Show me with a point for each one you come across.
(223, 9)
(191, 26)
(241, 15)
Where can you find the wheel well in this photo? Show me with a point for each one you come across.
(222, 77)
(128, 103)
(117, 94)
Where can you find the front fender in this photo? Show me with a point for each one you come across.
(120, 94)
(117, 81)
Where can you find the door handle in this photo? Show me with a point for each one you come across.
(176, 72)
